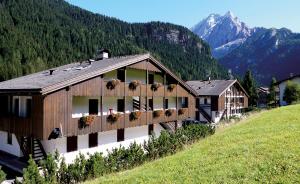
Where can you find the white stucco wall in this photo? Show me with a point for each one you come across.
(13, 148)
(158, 103)
(171, 102)
(106, 142)
(135, 74)
(110, 103)
(282, 87)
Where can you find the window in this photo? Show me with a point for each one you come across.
(205, 101)
(150, 104)
(93, 140)
(121, 75)
(185, 102)
(197, 103)
(121, 105)
(150, 129)
(28, 107)
(151, 79)
(4, 105)
(9, 138)
(72, 144)
(16, 106)
(166, 104)
(93, 107)
(120, 135)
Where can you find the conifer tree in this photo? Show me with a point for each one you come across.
(250, 87)
(31, 173)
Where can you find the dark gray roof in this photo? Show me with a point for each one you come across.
(210, 88)
(68, 74)
(43, 82)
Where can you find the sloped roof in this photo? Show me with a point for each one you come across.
(63, 76)
(212, 87)
(290, 78)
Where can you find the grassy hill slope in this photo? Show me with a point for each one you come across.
(265, 148)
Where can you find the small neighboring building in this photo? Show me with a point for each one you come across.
(219, 99)
(282, 85)
(262, 101)
(91, 106)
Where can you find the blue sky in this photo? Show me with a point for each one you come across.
(265, 13)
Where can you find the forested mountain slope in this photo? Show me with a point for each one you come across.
(39, 34)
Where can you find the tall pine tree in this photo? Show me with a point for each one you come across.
(272, 94)
(250, 87)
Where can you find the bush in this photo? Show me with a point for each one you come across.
(63, 175)
(117, 160)
(112, 84)
(2, 175)
(292, 92)
(49, 168)
(77, 170)
(31, 173)
(134, 84)
(95, 166)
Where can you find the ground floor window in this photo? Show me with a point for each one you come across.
(93, 140)
(150, 129)
(9, 138)
(120, 135)
(72, 143)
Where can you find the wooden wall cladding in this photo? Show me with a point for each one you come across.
(144, 65)
(90, 87)
(26, 126)
(221, 102)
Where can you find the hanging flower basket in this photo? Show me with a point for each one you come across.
(155, 86)
(135, 115)
(169, 112)
(157, 113)
(86, 120)
(171, 87)
(112, 84)
(112, 118)
(134, 84)
(181, 111)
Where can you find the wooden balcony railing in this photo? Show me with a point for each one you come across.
(185, 114)
(18, 125)
(117, 91)
(142, 120)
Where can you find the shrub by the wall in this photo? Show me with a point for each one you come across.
(117, 160)
(2, 175)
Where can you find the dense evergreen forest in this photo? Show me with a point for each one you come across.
(39, 34)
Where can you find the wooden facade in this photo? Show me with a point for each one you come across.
(54, 110)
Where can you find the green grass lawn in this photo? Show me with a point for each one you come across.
(265, 148)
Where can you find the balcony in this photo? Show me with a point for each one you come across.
(18, 125)
(132, 122)
(117, 89)
(183, 113)
(171, 90)
(157, 91)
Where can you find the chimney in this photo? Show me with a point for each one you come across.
(51, 71)
(102, 54)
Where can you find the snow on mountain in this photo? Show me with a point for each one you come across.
(223, 33)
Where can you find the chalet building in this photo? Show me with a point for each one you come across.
(91, 106)
(262, 101)
(217, 99)
(282, 85)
